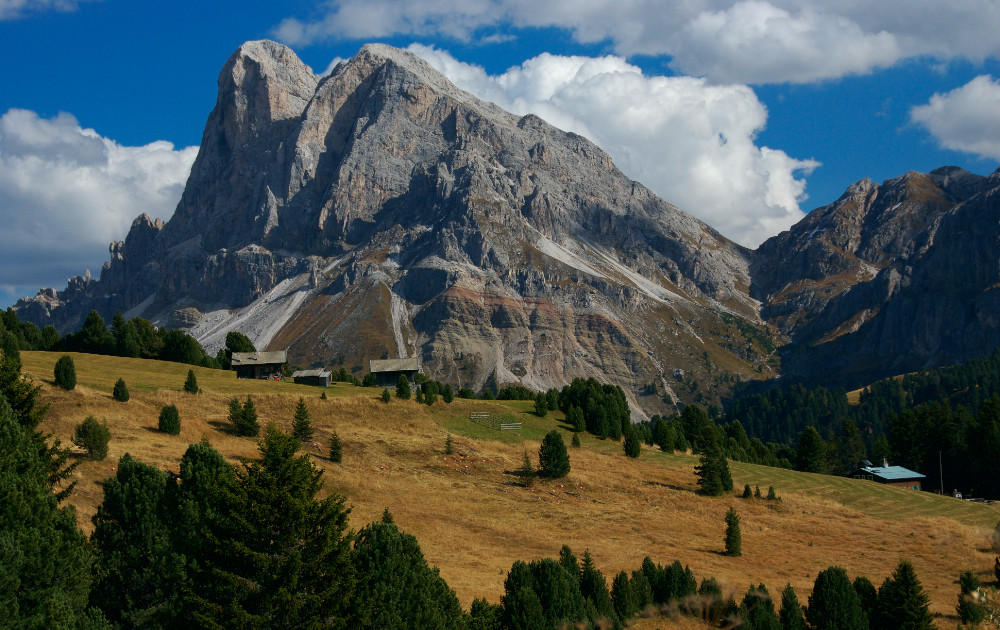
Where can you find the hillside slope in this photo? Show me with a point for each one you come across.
(619, 509)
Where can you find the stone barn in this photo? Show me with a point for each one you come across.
(889, 475)
(319, 377)
(387, 371)
(259, 364)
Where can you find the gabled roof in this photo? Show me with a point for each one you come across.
(260, 358)
(892, 473)
(318, 372)
(394, 365)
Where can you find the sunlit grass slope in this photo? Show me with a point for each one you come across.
(473, 519)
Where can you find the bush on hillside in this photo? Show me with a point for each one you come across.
(65, 372)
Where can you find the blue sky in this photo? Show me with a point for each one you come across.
(746, 114)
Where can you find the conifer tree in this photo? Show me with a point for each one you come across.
(386, 396)
(244, 418)
(734, 540)
(191, 383)
(336, 450)
(170, 420)
(541, 405)
(757, 610)
(396, 588)
(747, 492)
(65, 372)
(594, 589)
(403, 387)
(622, 597)
(902, 603)
(868, 597)
(484, 615)
(575, 442)
(526, 472)
(93, 437)
(45, 563)
(632, 446)
(791, 617)
(285, 557)
(834, 604)
(970, 611)
(553, 460)
(712, 471)
(301, 425)
(771, 494)
(120, 392)
(811, 455)
(449, 445)
(135, 564)
(447, 394)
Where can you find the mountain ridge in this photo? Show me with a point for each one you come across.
(379, 210)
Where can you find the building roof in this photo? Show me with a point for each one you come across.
(318, 372)
(394, 365)
(892, 473)
(260, 358)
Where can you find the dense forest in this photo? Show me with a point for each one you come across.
(947, 418)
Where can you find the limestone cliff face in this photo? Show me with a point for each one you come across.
(381, 211)
(889, 279)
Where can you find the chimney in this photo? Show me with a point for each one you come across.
(885, 462)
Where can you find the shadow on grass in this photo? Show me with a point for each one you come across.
(222, 427)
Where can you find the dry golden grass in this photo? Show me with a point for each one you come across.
(472, 518)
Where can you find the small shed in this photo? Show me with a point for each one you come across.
(259, 364)
(387, 371)
(318, 377)
(889, 475)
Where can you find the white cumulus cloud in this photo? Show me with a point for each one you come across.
(742, 41)
(690, 141)
(965, 119)
(66, 193)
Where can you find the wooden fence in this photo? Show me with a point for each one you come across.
(488, 420)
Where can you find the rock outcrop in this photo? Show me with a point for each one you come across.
(889, 279)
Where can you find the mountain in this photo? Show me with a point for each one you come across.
(380, 211)
(889, 279)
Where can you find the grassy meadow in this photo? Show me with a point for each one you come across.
(473, 519)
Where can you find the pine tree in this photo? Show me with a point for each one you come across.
(712, 470)
(771, 494)
(622, 597)
(449, 445)
(868, 597)
(526, 472)
(747, 492)
(970, 611)
(902, 603)
(45, 571)
(834, 604)
(386, 396)
(136, 568)
(576, 439)
(734, 541)
(484, 616)
(285, 555)
(791, 611)
(594, 589)
(632, 446)
(541, 405)
(170, 420)
(757, 610)
(396, 588)
(93, 437)
(65, 372)
(247, 424)
(301, 425)
(403, 387)
(191, 383)
(447, 394)
(811, 455)
(336, 450)
(553, 460)
(120, 391)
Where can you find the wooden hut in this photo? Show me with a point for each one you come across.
(259, 364)
(388, 371)
(889, 475)
(318, 377)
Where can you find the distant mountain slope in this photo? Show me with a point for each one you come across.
(382, 211)
(889, 279)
